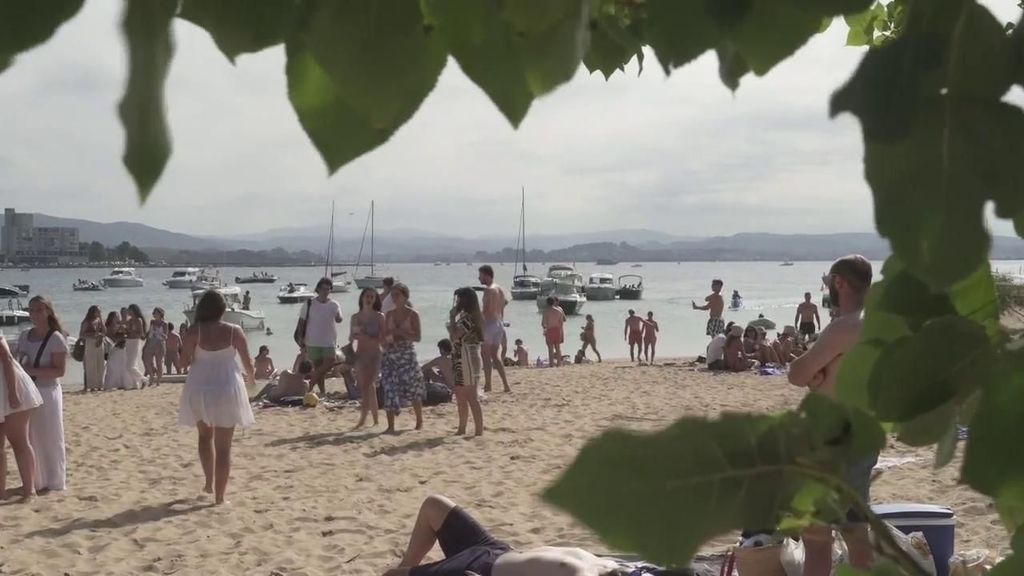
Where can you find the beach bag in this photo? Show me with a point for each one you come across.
(78, 350)
(760, 561)
(300, 327)
(437, 393)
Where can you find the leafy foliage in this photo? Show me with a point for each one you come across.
(940, 145)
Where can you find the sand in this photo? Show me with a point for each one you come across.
(307, 497)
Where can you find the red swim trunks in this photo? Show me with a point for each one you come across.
(554, 336)
(635, 338)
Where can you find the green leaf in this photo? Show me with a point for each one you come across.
(242, 26)
(929, 428)
(979, 58)
(1012, 565)
(731, 66)
(517, 54)
(880, 568)
(681, 30)
(339, 133)
(975, 298)
(907, 296)
(24, 25)
(994, 456)
(831, 8)
(610, 50)
(863, 25)
(147, 30)
(383, 62)
(641, 491)
(919, 373)
(772, 31)
(946, 448)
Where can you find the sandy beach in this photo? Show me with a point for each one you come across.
(309, 497)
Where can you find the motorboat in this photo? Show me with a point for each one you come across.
(13, 290)
(182, 278)
(637, 266)
(122, 278)
(600, 286)
(234, 314)
(87, 286)
(207, 279)
(295, 293)
(606, 262)
(567, 288)
(14, 314)
(556, 271)
(631, 287)
(257, 278)
(525, 287)
(340, 282)
(787, 263)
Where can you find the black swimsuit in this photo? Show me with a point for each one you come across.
(467, 547)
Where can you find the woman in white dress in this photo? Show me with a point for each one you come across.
(136, 332)
(18, 399)
(214, 399)
(43, 353)
(116, 363)
(92, 333)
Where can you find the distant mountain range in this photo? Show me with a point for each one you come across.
(410, 245)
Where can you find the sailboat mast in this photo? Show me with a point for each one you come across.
(330, 246)
(371, 238)
(522, 223)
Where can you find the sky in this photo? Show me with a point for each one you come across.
(679, 154)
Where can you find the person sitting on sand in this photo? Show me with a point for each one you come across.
(786, 346)
(755, 348)
(589, 338)
(288, 384)
(439, 369)
(735, 359)
(553, 324)
(263, 363)
(470, 550)
(716, 350)
(715, 305)
(522, 354)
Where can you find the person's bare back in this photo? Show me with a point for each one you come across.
(716, 305)
(552, 561)
(494, 302)
(554, 317)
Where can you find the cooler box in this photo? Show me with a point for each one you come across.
(937, 523)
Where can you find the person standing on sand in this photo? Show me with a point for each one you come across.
(589, 338)
(92, 332)
(552, 322)
(806, 316)
(400, 375)
(43, 352)
(156, 347)
(19, 398)
(172, 358)
(317, 321)
(494, 305)
(849, 281)
(715, 305)
(633, 333)
(650, 338)
(387, 303)
(135, 335)
(366, 332)
(466, 327)
(214, 400)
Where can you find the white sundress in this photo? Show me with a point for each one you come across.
(214, 391)
(27, 392)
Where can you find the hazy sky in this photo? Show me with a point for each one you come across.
(678, 154)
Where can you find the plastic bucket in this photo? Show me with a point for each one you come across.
(937, 523)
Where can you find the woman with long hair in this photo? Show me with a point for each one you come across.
(43, 353)
(366, 331)
(19, 398)
(466, 328)
(156, 347)
(93, 333)
(214, 399)
(400, 374)
(135, 333)
(117, 367)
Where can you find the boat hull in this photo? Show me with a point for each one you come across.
(246, 319)
(96, 288)
(180, 283)
(600, 292)
(123, 282)
(341, 288)
(631, 294)
(571, 305)
(12, 291)
(295, 298)
(525, 293)
(375, 282)
(257, 280)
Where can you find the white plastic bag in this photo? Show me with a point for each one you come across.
(792, 555)
(972, 563)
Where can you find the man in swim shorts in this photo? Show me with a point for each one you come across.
(553, 324)
(714, 304)
(470, 549)
(494, 304)
(806, 316)
(633, 333)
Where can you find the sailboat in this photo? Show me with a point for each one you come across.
(371, 281)
(341, 284)
(524, 286)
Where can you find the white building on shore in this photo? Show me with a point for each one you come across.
(22, 242)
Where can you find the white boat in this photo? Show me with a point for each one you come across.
(122, 278)
(207, 279)
(567, 287)
(234, 314)
(87, 286)
(600, 286)
(14, 315)
(339, 280)
(182, 278)
(525, 286)
(13, 291)
(257, 278)
(371, 280)
(631, 287)
(294, 293)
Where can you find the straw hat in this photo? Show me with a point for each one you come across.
(789, 331)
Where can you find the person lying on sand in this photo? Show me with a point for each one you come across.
(288, 383)
(470, 550)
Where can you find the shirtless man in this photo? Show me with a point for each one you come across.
(806, 316)
(633, 333)
(714, 304)
(522, 354)
(553, 324)
(440, 368)
(494, 304)
(650, 337)
(289, 383)
(849, 280)
(470, 550)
